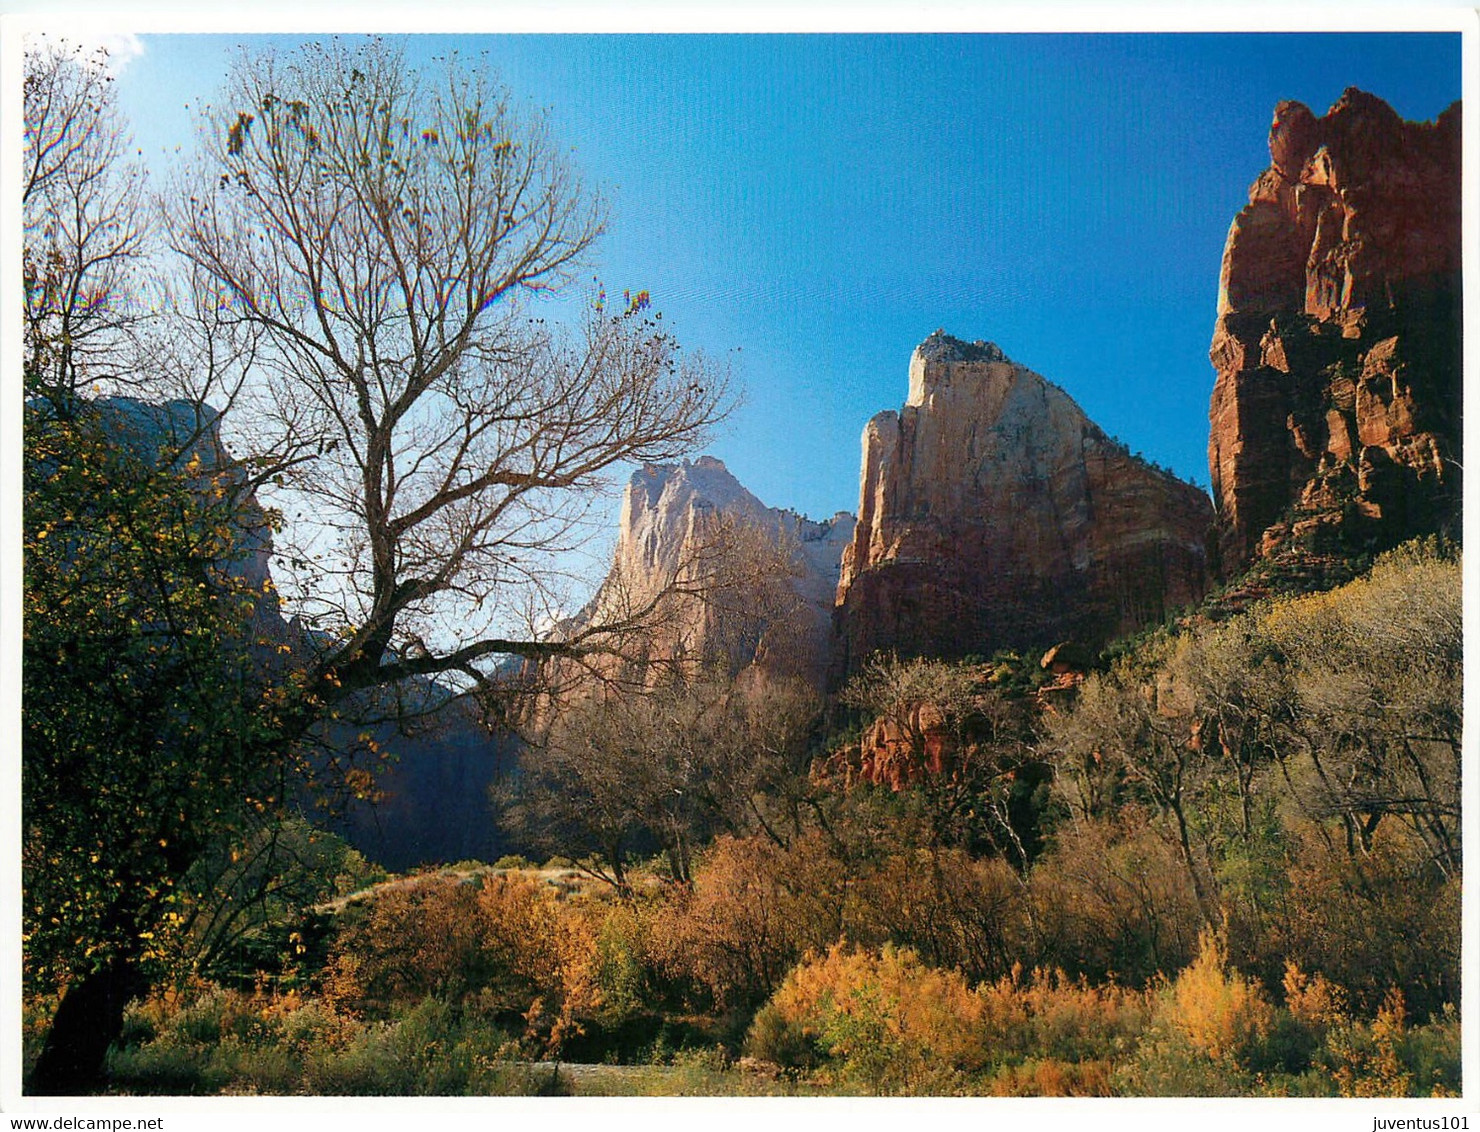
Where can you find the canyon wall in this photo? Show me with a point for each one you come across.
(1335, 416)
(993, 513)
(710, 579)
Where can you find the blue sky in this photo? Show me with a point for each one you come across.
(812, 206)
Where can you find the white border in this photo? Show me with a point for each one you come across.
(22, 16)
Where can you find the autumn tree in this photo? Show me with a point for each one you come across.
(142, 688)
(387, 232)
(147, 707)
(357, 257)
(664, 770)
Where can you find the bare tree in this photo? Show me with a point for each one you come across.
(85, 227)
(359, 249)
(664, 769)
(438, 442)
(1127, 732)
(1373, 718)
(100, 320)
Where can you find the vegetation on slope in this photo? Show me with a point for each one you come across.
(1243, 880)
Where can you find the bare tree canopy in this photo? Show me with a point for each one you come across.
(385, 232)
(666, 768)
(84, 221)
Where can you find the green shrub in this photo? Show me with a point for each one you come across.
(620, 967)
(1431, 1055)
(433, 1049)
(167, 1067)
(780, 1040)
(471, 865)
(247, 1068)
(1166, 1065)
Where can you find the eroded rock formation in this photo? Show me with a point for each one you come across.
(1335, 416)
(993, 513)
(711, 578)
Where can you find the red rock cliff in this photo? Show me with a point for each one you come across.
(1335, 416)
(993, 513)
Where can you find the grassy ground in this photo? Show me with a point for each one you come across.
(693, 1078)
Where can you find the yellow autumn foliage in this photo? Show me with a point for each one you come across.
(1220, 1013)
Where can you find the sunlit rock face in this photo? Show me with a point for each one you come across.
(1335, 416)
(716, 581)
(994, 514)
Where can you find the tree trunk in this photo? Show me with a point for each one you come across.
(88, 1020)
(1205, 903)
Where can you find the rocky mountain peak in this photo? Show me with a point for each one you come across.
(942, 347)
(941, 360)
(1334, 419)
(993, 513)
(777, 573)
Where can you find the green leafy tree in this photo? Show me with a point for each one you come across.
(147, 708)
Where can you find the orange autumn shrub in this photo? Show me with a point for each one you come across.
(1368, 1060)
(1373, 920)
(1048, 1015)
(506, 945)
(1313, 1000)
(1112, 900)
(1220, 1013)
(882, 1021)
(1047, 1077)
(755, 908)
(1209, 1033)
(408, 942)
(545, 954)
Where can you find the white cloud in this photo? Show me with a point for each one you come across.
(111, 51)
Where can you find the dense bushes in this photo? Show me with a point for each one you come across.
(1111, 899)
(230, 1041)
(1244, 882)
(885, 1022)
(589, 976)
(502, 944)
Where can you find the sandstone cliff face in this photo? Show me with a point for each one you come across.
(1335, 416)
(993, 513)
(716, 579)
